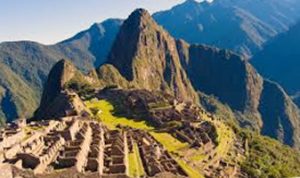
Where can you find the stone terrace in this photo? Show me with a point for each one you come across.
(87, 147)
(156, 160)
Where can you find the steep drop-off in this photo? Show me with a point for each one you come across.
(145, 56)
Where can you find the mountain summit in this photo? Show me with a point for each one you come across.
(232, 24)
(145, 56)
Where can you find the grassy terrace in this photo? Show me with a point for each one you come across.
(105, 115)
(135, 163)
(104, 111)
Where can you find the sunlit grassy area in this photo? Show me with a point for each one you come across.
(198, 157)
(225, 139)
(111, 121)
(135, 163)
(172, 144)
(169, 142)
(192, 173)
(106, 116)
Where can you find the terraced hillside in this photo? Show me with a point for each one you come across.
(140, 133)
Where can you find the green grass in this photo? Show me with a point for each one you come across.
(269, 158)
(135, 163)
(112, 121)
(225, 139)
(173, 145)
(192, 173)
(198, 157)
(169, 142)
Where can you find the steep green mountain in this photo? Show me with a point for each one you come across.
(92, 44)
(280, 115)
(146, 56)
(153, 60)
(249, 153)
(56, 100)
(31, 62)
(279, 60)
(211, 23)
(262, 104)
(15, 95)
(243, 26)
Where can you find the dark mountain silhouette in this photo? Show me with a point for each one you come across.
(280, 60)
(242, 26)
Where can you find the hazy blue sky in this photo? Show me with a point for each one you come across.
(49, 21)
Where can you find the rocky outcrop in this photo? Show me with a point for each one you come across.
(235, 82)
(60, 74)
(57, 101)
(146, 56)
(29, 63)
(223, 74)
(279, 114)
(109, 76)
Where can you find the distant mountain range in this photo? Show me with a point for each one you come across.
(240, 25)
(30, 62)
(178, 67)
(280, 60)
(145, 56)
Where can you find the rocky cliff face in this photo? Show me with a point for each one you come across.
(280, 115)
(192, 21)
(56, 100)
(235, 82)
(223, 74)
(146, 56)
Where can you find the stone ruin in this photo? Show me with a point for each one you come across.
(156, 160)
(84, 146)
(188, 113)
(198, 135)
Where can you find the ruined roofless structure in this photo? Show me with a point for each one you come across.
(81, 145)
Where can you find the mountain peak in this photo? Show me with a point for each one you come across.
(61, 73)
(191, 2)
(140, 12)
(138, 24)
(195, 3)
(139, 17)
(145, 55)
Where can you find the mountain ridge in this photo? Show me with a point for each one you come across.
(153, 59)
(172, 74)
(278, 61)
(32, 61)
(153, 49)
